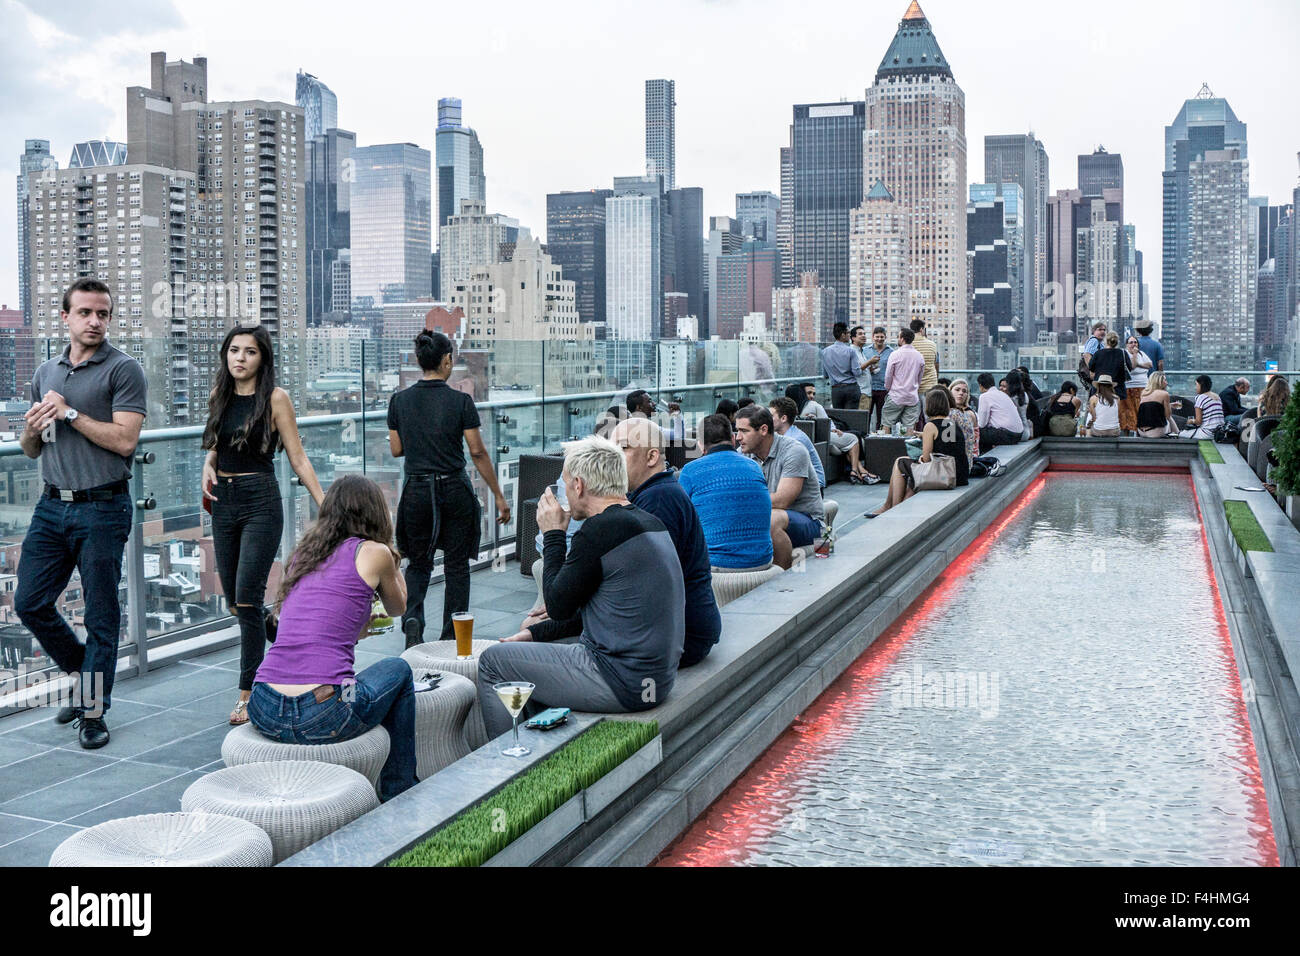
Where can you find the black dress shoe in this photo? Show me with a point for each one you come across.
(94, 733)
(414, 633)
(67, 715)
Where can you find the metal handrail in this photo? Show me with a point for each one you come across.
(152, 435)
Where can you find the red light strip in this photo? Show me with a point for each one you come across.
(749, 811)
(1248, 757)
(744, 812)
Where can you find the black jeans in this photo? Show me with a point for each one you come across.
(89, 536)
(878, 396)
(452, 527)
(247, 519)
(845, 396)
(992, 437)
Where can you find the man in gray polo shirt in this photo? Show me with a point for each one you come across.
(791, 480)
(87, 408)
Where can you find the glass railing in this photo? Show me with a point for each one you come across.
(1180, 382)
(531, 396)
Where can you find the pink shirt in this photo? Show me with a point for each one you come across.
(903, 375)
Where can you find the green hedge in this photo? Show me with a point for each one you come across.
(1245, 527)
(490, 826)
(1210, 453)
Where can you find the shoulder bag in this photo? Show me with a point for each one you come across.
(937, 474)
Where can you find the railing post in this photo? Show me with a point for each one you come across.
(289, 534)
(136, 618)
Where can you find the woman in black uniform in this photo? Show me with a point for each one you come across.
(429, 424)
(248, 419)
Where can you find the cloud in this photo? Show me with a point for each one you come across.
(90, 18)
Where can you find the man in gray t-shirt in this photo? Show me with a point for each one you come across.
(791, 479)
(87, 408)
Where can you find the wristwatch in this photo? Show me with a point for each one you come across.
(70, 415)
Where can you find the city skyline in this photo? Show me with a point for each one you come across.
(728, 135)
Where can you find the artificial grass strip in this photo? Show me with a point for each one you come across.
(491, 825)
(1210, 453)
(1245, 527)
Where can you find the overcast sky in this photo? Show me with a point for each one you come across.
(556, 90)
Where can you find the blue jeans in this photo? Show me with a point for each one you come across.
(89, 536)
(384, 693)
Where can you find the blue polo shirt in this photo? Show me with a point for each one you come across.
(730, 496)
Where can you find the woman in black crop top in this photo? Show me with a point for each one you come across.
(248, 418)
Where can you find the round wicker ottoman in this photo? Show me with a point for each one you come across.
(440, 716)
(167, 839)
(296, 802)
(441, 656)
(365, 754)
(729, 585)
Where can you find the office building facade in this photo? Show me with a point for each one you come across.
(473, 238)
(826, 157)
(36, 158)
(685, 207)
(1022, 159)
(800, 314)
(459, 160)
(915, 141)
(390, 224)
(633, 266)
(745, 280)
(661, 130)
(757, 213)
(526, 299)
(575, 240)
(320, 107)
(1220, 330)
(1204, 123)
(327, 216)
(878, 241)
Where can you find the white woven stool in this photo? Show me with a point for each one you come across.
(167, 839)
(296, 802)
(440, 716)
(365, 754)
(729, 585)
(441, 656)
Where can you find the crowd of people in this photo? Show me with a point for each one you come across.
(628, 553)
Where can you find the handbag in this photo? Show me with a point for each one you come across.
(937, 474)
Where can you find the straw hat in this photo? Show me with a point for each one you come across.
(1104, 380)
(1144, 325)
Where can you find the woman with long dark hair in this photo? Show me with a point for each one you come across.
(249, 418)
(429, 424)
(307, 691)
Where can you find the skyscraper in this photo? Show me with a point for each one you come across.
(1098, 245)
(459, 158)
(785, 217)
(878, 237)
(744, 281)
(757, 213)
(1100, 171)
(800, 314)
(327, 215)
(1219, 329)
(995, 246)
(1064, 211)
(320, 107)
(633, 271)
(473, 238)
(525, 299)
(1022, 159)
(36, 158)
(1204, 123)
(661, 130)
(575, 240)
(915, 142)
(826, 151)
(686, 212)
(724, 237)
(390, 212)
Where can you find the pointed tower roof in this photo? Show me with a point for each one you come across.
(914, 50)
(880, 190)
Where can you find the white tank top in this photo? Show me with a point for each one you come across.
(1107, 415)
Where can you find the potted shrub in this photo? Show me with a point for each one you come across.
(1286, 448)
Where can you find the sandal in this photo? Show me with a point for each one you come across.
(871, 479)
(239, 715)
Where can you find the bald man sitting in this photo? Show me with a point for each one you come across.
(653, 487)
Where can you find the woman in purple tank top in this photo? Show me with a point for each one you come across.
(306, 691)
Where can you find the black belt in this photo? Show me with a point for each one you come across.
(102, 493)
(433, 476)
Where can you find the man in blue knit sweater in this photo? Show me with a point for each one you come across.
(652, 487)
(730, 495)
